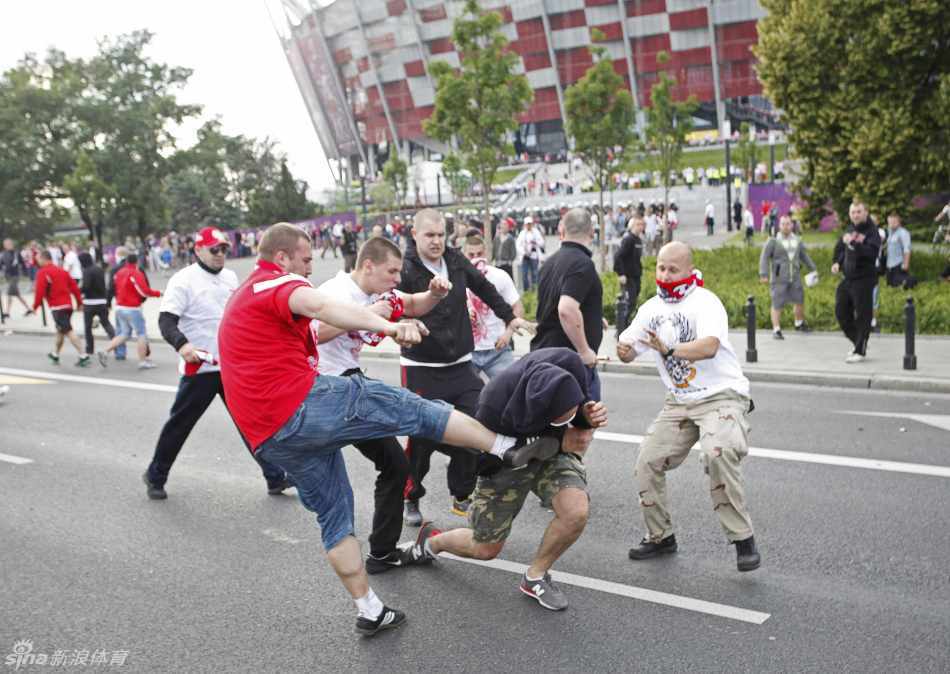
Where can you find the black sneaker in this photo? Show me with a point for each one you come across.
(154, 492)
(804, 327)
(387, 620)
(53, 358)
(648, 549)
(278, 487)
(777, 334)
(747, 556)
(412, 516)
(83, 361)
(539, 448)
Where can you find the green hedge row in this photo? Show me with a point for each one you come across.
(732, 273)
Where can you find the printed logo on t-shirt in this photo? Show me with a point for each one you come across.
(675, 329)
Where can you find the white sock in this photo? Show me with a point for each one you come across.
(776, 329)
(502, 444)
(530, 579)
(370, 606)
(799, 323)
(428, 548)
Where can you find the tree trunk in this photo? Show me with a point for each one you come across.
(486, 219)
(603, 231)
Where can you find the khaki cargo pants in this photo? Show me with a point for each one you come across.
(719, 423)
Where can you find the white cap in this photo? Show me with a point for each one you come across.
(528, 220)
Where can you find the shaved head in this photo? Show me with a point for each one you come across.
(674, 262)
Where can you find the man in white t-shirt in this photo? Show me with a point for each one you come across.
(492, 338)
(189, 317)
(710, 215)
(687, 328)
(372, 284)
(530, 247)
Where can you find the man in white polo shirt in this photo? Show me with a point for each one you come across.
(708, 401)
(372, 284)
(189, 317)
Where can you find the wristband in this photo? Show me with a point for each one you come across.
(669, 353)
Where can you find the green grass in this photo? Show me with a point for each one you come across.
(732, 273)
(505, 175)
(819, 239)
(714, 156)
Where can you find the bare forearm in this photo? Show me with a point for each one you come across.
(327, 332)
(314, 304)
(572, 322)
(419, 304)
(698, 349)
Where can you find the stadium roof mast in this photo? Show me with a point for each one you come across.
(714, 57)
(631, 68)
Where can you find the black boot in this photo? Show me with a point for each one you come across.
(648, 549)
(747, 557)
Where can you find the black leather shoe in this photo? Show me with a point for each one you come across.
(278, 487)
(387, 620)
(154, 492)
(747, 557)
(648, 549)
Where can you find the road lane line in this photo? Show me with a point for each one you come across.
(18, 460)
(809, 457)
(631, 591)
(777, 454)
(120, 383)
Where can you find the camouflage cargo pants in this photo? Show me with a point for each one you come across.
(719, 423)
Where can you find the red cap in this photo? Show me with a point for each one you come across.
(211, 236)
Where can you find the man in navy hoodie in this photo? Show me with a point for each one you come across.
(545, 393)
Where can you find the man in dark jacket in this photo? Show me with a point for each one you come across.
(856, 257)
(540, 394)
(94, 303)
(440, 368)
(628, 267)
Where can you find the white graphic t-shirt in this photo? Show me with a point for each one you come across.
(343, 352)
(699, 314)
(486, 326)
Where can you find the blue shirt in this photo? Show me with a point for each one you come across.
(898, 243)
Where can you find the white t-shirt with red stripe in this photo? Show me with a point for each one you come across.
(268, 354)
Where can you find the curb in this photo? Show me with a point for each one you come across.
(872, 382)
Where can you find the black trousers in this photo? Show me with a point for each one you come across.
(194, 396)
(459, 385)
(88, 313)
(854, 308)
(896, 276)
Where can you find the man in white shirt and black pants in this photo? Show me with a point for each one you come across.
(372, 284)
(189, 316)
(708, 401)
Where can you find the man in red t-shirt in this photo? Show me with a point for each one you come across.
(300, 421)
(58, 288)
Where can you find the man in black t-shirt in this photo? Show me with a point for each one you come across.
(570, 295)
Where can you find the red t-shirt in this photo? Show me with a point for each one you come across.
(268, 354)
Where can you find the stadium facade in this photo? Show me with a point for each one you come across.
(362, 66)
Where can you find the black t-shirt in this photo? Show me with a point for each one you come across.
(570, 271)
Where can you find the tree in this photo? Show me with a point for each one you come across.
(286, 201)
(746, 153)
(668, 123)
(396, 173)
(459, 180)
(865, 89)
(479, 105)
(600, 118)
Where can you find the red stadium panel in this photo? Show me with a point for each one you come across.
(693, 18)
(362, 64)
(690, 57)
(572, 19)
(441, 45)
(572, 64)
(536, 61)
(415, 69)
(597, 3)
(505, 14)
(745, 30)
(645, 49)
(342, 55)
(530, 45)
(612, 31)
(398, 95)
(644, 7)
(396, 7)
(529, 28)
(430, 14)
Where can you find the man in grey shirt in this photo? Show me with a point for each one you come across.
(504, 250)
(898, 254)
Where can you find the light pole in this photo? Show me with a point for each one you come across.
(361, 167)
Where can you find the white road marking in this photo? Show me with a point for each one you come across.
(809, 457)
(120, 383)
(18, 460)
(279, 536)
(6, 379)
(941, 421)
(631, 591)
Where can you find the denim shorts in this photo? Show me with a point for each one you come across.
(337, 412)
(492, 361)
(128, 320)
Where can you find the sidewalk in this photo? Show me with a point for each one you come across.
(816, 359)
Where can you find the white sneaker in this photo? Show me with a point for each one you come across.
(855, 358)
(3, 391)
(146, 365)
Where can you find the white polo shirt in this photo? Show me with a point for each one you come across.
(486, 326)
(198, 298)
(342, 353)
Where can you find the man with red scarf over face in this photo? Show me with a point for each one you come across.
(686, 327)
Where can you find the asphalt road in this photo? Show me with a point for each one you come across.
(223, 577)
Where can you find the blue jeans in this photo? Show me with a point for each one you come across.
(529, 273)
(337, 412)
(492, 362)
(128, 320)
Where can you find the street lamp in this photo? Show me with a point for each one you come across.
(361, 168)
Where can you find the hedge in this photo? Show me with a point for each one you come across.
(732, 273)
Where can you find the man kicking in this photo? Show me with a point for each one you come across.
(299, 420)
(541, 393)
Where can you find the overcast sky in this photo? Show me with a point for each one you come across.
(240, 72)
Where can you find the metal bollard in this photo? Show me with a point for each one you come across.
(623, 312)
(910, 326)
(751, 355)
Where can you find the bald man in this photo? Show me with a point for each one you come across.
(686, 328)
